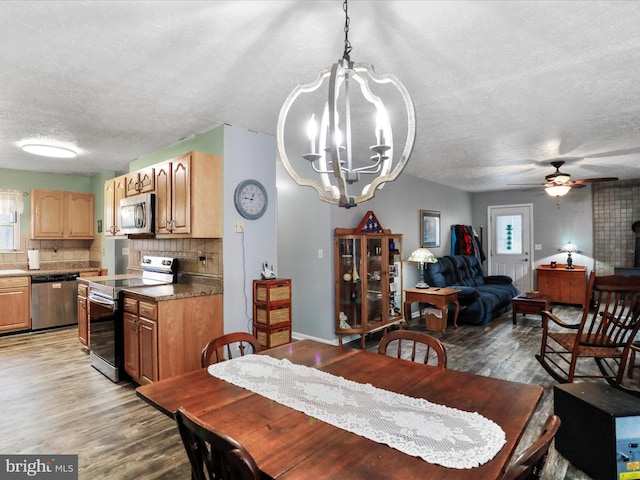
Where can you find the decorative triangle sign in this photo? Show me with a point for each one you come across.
(369, 223)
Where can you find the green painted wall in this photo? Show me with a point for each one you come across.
(27, 181)
(208, 142)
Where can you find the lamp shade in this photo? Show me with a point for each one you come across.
(557, 190)
(569, 247)
(422, 255)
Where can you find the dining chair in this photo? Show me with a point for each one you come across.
(420, 343)
(605, 333)
(222, 348)
(530, 462)
(213, 454)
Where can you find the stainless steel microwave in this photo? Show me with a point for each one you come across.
(137, 214)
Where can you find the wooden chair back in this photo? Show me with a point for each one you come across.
(213, 454)
(529, 464)
(432, 347)
(605, 333)
(222, 348)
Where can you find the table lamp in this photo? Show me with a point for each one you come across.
(422, 256)
(569, 248)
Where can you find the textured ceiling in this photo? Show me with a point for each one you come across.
(500, 88)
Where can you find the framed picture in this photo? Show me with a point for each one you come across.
(429, 228)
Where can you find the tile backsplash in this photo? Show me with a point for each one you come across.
(54, 254)
(196, 256)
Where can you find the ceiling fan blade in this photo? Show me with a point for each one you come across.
(594, 180)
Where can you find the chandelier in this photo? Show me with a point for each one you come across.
(334, 156)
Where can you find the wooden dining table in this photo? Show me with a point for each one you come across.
(288, 444)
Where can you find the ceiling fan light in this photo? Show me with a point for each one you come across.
(557, 190)
(46, 150)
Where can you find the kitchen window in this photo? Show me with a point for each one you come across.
(11, 206)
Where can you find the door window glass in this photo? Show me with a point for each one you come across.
(509, 234)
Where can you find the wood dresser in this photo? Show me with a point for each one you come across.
(562, 284)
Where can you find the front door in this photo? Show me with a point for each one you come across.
(510, 242)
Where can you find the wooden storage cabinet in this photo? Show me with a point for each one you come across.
(61, 215)
(142, 181)
(164, 338)
(189, 196)
(114, 191)
(15, 304)
(368, 282)
(272, 312)
(564, 286)
(83, 312)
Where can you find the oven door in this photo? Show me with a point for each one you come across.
(105, 330)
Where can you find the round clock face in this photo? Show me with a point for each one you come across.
(250, 199)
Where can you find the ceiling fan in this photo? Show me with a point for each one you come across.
(559, 183)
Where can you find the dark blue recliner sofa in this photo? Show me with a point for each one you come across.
(481, 298)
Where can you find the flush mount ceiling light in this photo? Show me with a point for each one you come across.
(355, 136)
(47, 150)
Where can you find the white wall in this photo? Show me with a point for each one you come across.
(247, 155)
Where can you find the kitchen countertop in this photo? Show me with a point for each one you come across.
(31, 273)
(171, 291)
(156, 292)
(176, 291)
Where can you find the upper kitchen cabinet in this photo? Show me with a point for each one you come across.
(189, 196)
(142, 181)
(114, 191)
(61, 215)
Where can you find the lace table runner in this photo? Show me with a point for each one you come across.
(436, 433)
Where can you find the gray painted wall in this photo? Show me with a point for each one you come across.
(305, 225)
(552, 226)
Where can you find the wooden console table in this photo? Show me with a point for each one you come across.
(562, 284)
(439, 297)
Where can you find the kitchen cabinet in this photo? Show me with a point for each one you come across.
(141, 181)
(563, 285)
(15, 302)
(114, 191)
(164, 338)
(83, 313)
(189, 196)
(80, 215)
(140, 340)
(61, 215)
(368, 282)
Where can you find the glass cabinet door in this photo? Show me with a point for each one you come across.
(349, 289)
(395, 276)
(375, 272)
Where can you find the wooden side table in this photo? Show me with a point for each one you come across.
(440, 298)
(530, 303)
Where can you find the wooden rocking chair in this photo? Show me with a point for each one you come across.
(605, 333)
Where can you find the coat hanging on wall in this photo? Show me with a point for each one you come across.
(465, 241)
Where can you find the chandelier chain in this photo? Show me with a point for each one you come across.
(347, 21)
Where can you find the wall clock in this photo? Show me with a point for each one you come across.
(250, 199)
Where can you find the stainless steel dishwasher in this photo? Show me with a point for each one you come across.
(54, 300)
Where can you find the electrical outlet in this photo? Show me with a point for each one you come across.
(125, 251)
(320, 253)
(239, 226)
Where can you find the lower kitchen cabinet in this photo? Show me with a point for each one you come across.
(83, 313)
(165, 338)
(15, 304)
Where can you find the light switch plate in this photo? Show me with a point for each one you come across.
(538, 246)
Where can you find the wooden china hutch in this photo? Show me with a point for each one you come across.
(368, 281)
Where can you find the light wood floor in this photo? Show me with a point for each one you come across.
(52, 401)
